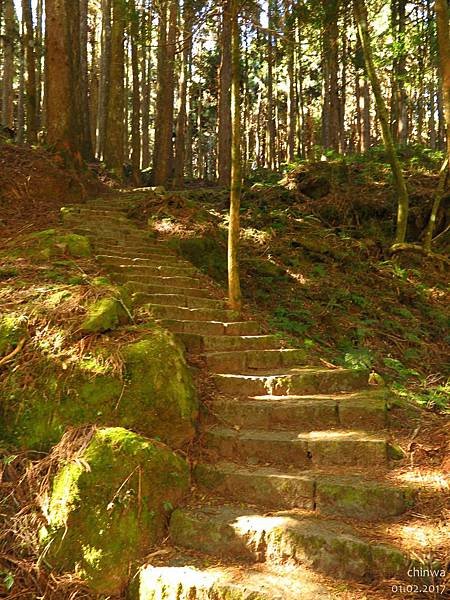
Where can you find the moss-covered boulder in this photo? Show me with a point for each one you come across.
(153, 394)
(47, 244)
(12, 330)
(110, 505)
(105, 314)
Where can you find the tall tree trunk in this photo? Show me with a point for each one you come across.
(21, 88)
(94, 77)
(30, 83)
(61, 93)
(271, 127)
(9, 44)
(163, 151)
(114, 153)
(136, 100)
(146, 80)
(224, 111)
(104, 84)
(399, 181)
(443, 33)
(234, 289)
(180, 137)
(291, 100)
(40, 102)
(399, 108)
(86, 140)
(330, 113)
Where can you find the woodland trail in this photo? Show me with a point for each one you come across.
(292, 464)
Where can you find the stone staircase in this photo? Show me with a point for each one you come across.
(310, 443)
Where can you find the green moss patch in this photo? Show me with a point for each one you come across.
(109, 506)
(105, 314)
(51, 242)
(12, 330)
(152, 393)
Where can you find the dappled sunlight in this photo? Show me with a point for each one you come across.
(422, 535)
(432, 480)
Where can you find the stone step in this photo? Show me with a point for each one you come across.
(240, 361)
(292, 381)
(305, 450)
(145, 270)
(214, 328)
(152, 253)
(127, 245)
(326, 545)
(349, 496)
(175, 281)
(204, 343)
(193, 577)
(178, 300)
(137, 288)
(111, 260)
(114, 236)
(160, 311)
(303, 413)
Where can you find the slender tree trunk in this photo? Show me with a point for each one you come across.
(93, 96)
(105, 66)
(114, 152)
(224, 112)
(330, 113)
(189, 104)
(291, 101)
(234, 289)
(86, 140)
(30, 83)
(136, 100)
(399, 181)
(181, 124)
(21, 88)
(9, 43)
(163, 151)
(146, 80)
(40, 104)
(271, 127)
(443, 33)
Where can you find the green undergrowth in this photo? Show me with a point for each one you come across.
(331, 290)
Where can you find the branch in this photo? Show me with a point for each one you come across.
(12, 354)
(405, 247)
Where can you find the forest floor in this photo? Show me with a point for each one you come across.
(324, 281)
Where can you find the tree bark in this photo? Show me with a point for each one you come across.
(399, 181)
(30, 82)
(9, 44)
(181, 124)
(61, 92)
(224, 102)
(114, 152)
(136, 111)
(105, 65)
(163, 151)
(86, 140)
(330, 112)
(234, 289)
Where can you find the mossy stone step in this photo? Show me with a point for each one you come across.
(142, 270)
(350, 496)
(152, 253)
(195, 578)
(112, 235)
(304, 413)
(292, 381)
(214, 328)
(209, 343)
(306, 450)
(161, 311)
(161, 280)
(328, 546)
(178, 300)
(240, 361)
(111, 260)
(142, 290)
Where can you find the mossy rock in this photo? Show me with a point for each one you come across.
(105, 314)
(208, 254)
(47, 244)
(12, 330)
(156, 396)
(110, 505)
